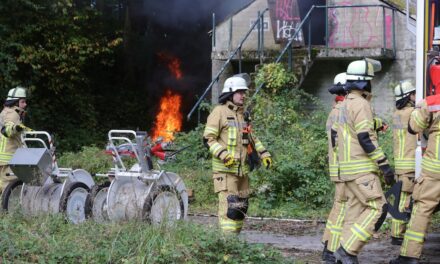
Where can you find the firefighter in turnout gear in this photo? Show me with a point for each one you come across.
(404, 153)
(335, 220)
(11, 119)
(426, 194)
(228, 136)
(360, 160)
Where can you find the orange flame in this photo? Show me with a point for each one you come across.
(169, 119)
(173, 64)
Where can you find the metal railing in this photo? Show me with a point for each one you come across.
(308, 19)
(259, 25)
(288, 48)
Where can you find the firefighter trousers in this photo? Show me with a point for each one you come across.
(233, 193)
(398, 227)
(426, 197)
(4, 179)
(364, 208)
(335, 220)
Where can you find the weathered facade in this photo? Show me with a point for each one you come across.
(352, 32)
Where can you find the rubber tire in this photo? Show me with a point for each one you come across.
(91, 197)
(65, 197)
(7, 192)
(150, 200)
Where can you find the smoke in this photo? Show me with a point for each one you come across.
(179, 28)
(183, 13)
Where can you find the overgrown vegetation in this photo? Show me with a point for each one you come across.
(69, 56)
(92, 159)
(51, 240)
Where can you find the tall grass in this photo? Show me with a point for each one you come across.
(49, 239)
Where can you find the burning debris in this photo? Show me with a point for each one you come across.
(172, 63)
(169, 119)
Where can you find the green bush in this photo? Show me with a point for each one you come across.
(275, 77)
(51, 240)
(295, 134)
(68, 58)
(91, 159)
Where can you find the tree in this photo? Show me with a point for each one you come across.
(66, 55)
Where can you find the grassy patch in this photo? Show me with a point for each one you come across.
(51, 240)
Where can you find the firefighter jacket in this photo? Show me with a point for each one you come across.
(427, 116)
(332, 147)
(404, 142)
(10, 138)
(224, 135)
(358, 150)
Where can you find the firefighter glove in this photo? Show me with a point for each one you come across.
(21, 127)
(229, 161)
(380, 125)
(267, 162)
(388, 174)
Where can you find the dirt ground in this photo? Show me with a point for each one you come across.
(300, 240)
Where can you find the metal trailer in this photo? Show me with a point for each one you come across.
(139, 192)
(44, 188)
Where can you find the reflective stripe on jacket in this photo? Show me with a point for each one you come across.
(404, 142)
(356, 117)
(10, 139)
(333, 151)
(223, 135)
(427, 116)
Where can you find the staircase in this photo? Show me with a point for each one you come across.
(298, 60)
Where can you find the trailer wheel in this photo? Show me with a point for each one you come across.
(75, 202)
(11, 196)
(163, 205)
(98, 200)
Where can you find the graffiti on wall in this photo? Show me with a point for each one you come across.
(285, 19)
(360, 27)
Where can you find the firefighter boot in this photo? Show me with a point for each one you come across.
(396, 241)
(343, 257)
(404, 260)
(327, 255)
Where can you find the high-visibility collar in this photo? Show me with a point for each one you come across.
(433, 102)
(234, 107)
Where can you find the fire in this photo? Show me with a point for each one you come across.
(169, 119)
(173, 64)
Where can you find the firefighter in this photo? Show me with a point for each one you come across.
(227, 135)
(335, 220)
(11, 120)
(426, 194)
(404, 153)
(360, 159)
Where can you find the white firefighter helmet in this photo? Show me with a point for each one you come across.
(233, 84)
(403, 89)
(340, 79)
(363, 70)
(339, 82)
(16, 93)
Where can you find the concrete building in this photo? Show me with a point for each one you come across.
(379, 30)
